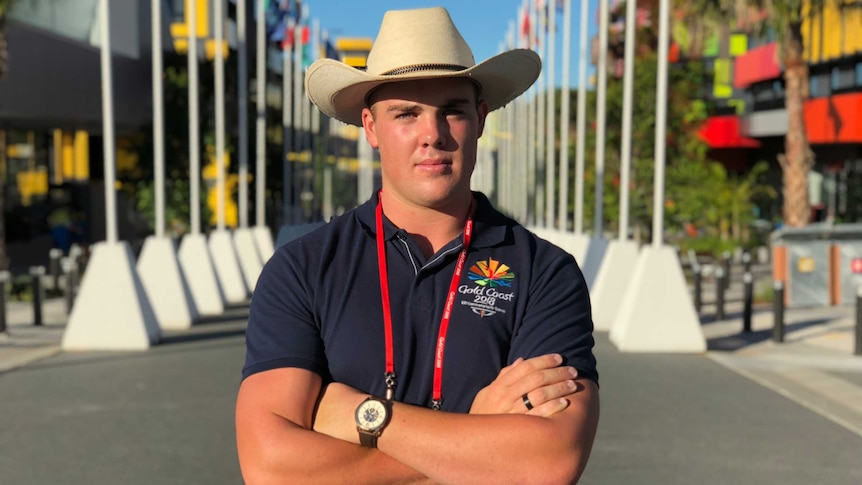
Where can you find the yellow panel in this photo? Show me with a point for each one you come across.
(738, 44)
(832, 28)
(353, 44)
(833, 34)
(181, 29)
(852, 31)
(82, 156)
(354, 61)
(68, 157)
(57, 159)
(210, 49)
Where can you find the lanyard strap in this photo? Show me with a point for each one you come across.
(447, 309)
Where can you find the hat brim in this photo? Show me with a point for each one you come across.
(339, 90)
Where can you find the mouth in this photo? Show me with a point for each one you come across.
(433, 162)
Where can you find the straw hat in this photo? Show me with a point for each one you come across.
(411, 45)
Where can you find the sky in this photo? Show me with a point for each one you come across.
(482, 23)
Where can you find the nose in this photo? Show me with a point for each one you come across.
(435, 131)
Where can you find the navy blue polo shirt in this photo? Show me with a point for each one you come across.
(317, 306)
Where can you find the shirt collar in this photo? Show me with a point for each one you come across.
(490, 227)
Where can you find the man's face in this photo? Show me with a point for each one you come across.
(427, 132)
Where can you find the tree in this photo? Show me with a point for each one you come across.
(784, 18)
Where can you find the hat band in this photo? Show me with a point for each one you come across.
(424, 67)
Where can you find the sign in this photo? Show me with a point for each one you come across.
(805, 265)
(856, 266)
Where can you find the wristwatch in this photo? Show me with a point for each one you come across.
(372, 416)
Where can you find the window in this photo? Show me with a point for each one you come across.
(819, 85)
(859, 73)
(843, 77)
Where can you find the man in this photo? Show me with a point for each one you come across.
(372, 356)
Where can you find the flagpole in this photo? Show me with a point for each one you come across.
(287, 121)
(194, 124)
(158, 119)
(242, 101)
(551, 163)
(108, 125)
(581, 122)
(660, 124)
(628, 92)
(218, 23)
(601, 93)
(529, 180)
(541, 117)
(260, 111)
(564, 117)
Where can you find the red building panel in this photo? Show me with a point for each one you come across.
(724, 132)
(836, 119)
(758, 64)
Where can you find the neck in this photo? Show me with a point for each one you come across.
(430, 227)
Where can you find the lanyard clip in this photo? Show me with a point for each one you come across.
(436, 404)
(391, 384)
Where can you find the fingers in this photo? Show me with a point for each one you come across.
(521, 368)
(550, 408)
(547, 400)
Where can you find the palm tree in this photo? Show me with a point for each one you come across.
(784, 18)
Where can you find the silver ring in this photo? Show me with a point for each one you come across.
(527, 402)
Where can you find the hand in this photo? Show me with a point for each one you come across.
(541, 378)
(334, 413)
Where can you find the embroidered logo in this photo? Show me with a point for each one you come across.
(491, 273)
(491, 277)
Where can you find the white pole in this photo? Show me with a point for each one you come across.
(158, 118)
(582, 118)
(108, 125)
(287, 124)
(564, 117)
(530, 179)
(194, 124)
(242, 97)
(660, 124)
(541, 117)
(299, 140)
(628, 92)
(260, 132)
(218, 23)
(601, 108)
(242, 101)
(550, 146)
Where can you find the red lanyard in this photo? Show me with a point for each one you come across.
(447, 310)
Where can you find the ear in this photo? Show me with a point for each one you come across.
(483, 115)
(368, 125)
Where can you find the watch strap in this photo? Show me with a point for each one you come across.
(367, 439)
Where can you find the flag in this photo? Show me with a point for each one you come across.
(327, 50)
(277, 13)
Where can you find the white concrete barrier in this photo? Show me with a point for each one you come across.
(166, 287)
(249, 258)
(226, 266)
(657, 314)
(612, 282)
(197, 266)
(111, 311)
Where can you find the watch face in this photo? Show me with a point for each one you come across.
(371, 415)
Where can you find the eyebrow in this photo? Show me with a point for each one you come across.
(405, 107)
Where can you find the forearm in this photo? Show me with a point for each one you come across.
(456, 448)
(275, 450)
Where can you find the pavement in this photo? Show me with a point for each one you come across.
(748, 411)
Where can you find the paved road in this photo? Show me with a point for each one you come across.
(165, 416)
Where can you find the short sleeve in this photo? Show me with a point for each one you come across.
(558, 318)
(282, 331)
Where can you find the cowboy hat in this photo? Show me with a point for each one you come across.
(411, 45)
